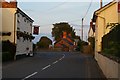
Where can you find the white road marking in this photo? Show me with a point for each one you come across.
(63, 55)
(43, 68)
(60, 59)
(46, 67)
(55, 62)
(30, 75)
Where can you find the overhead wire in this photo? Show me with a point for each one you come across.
(71, 20)
(54, 7)
(88, 9)
(68, 22)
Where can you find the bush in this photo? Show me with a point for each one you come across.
(92, 41)
(111, 42)
(8, 50)
(44, 42)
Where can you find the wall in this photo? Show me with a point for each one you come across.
(91, 33)
(23, 44)
(8, 22)
(110, 68)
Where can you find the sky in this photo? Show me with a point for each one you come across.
(48, 12)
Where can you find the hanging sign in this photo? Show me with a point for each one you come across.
(36, 30)
(118, 6)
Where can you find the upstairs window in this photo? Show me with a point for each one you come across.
(25, 19)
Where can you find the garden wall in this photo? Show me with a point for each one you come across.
(110, 68)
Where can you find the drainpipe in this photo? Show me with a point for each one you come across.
(104, 23)
(15, 32)
(103, 28)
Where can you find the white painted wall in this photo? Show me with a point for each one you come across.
(21, 44)
(110, 68)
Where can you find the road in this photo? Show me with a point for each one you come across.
(53, 65)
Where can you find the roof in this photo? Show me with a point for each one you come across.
(106, 6)
(101, 9)
(70, 38)
(25, 15)
(67, 41)
(63, 45)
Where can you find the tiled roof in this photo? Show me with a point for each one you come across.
(68, 41)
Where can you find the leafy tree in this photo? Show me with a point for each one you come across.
(44, 42)
(58, 29)
(92, 41)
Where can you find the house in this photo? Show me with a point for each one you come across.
(24, 26)
(66, 43)
(16, 27)
(91, 32)
(102, 18)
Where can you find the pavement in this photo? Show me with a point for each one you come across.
(53, 65)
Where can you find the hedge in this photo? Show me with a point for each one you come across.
(8, 50)
(111, 42)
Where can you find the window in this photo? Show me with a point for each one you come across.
(18, 21)
(25, 19)
(31, 24)
(18, 15)
(18, 29)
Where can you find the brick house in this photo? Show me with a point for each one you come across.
(66, 43)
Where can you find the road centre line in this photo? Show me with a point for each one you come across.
(63, 55)
(61, 58)
(30, 75)
(46, 67)
(54, 62)
(43, 68)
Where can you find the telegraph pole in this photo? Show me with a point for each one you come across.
(82, 29)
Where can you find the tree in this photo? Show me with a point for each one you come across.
(58, 29)
(44, 42)
(92, 42)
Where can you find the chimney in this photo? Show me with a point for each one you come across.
(91, 23)
(64, 34)
(101, 3)
(11, 4)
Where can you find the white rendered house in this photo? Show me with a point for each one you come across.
(17, 27)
